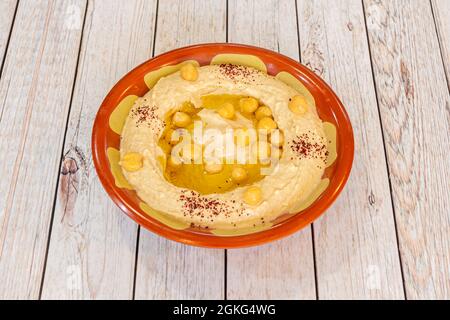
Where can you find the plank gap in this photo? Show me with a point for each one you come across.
(226, 21)
(298, 35)
(136, 257)
(156, 28)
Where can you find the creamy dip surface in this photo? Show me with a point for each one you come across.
(296, 174)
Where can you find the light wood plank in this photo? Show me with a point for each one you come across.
(415, 111)
(167, 270)
(283, 269)
(355, 241)
(93, 244)
(7, 9)
(441, 10)
(35, 93)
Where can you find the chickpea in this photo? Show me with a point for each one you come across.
(181, 119)
(132, 161)
(248, 105)
(239, 174)
(298, 104)
(189, 72)
(253, 196)
(277, 138)
(263, 112)
(187, 107)
(212, 168)
(267, 124)
(226, 111)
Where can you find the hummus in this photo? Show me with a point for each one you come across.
(225, 193)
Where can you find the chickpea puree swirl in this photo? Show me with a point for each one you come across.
(224, 193)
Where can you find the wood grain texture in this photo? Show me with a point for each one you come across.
(441, 11)
(167, 270)
(7, 10)
(35, 94)
(355, 241)
(415, 110)
(93, 244)
(283, 269)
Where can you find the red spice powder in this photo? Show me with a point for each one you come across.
(233, 71)
(305, 147)
(144, 114)
(194, 204)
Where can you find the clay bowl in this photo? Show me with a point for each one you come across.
(329, 107)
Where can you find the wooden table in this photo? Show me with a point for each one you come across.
(387, 236)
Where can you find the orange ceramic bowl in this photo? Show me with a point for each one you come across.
(329, 107)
